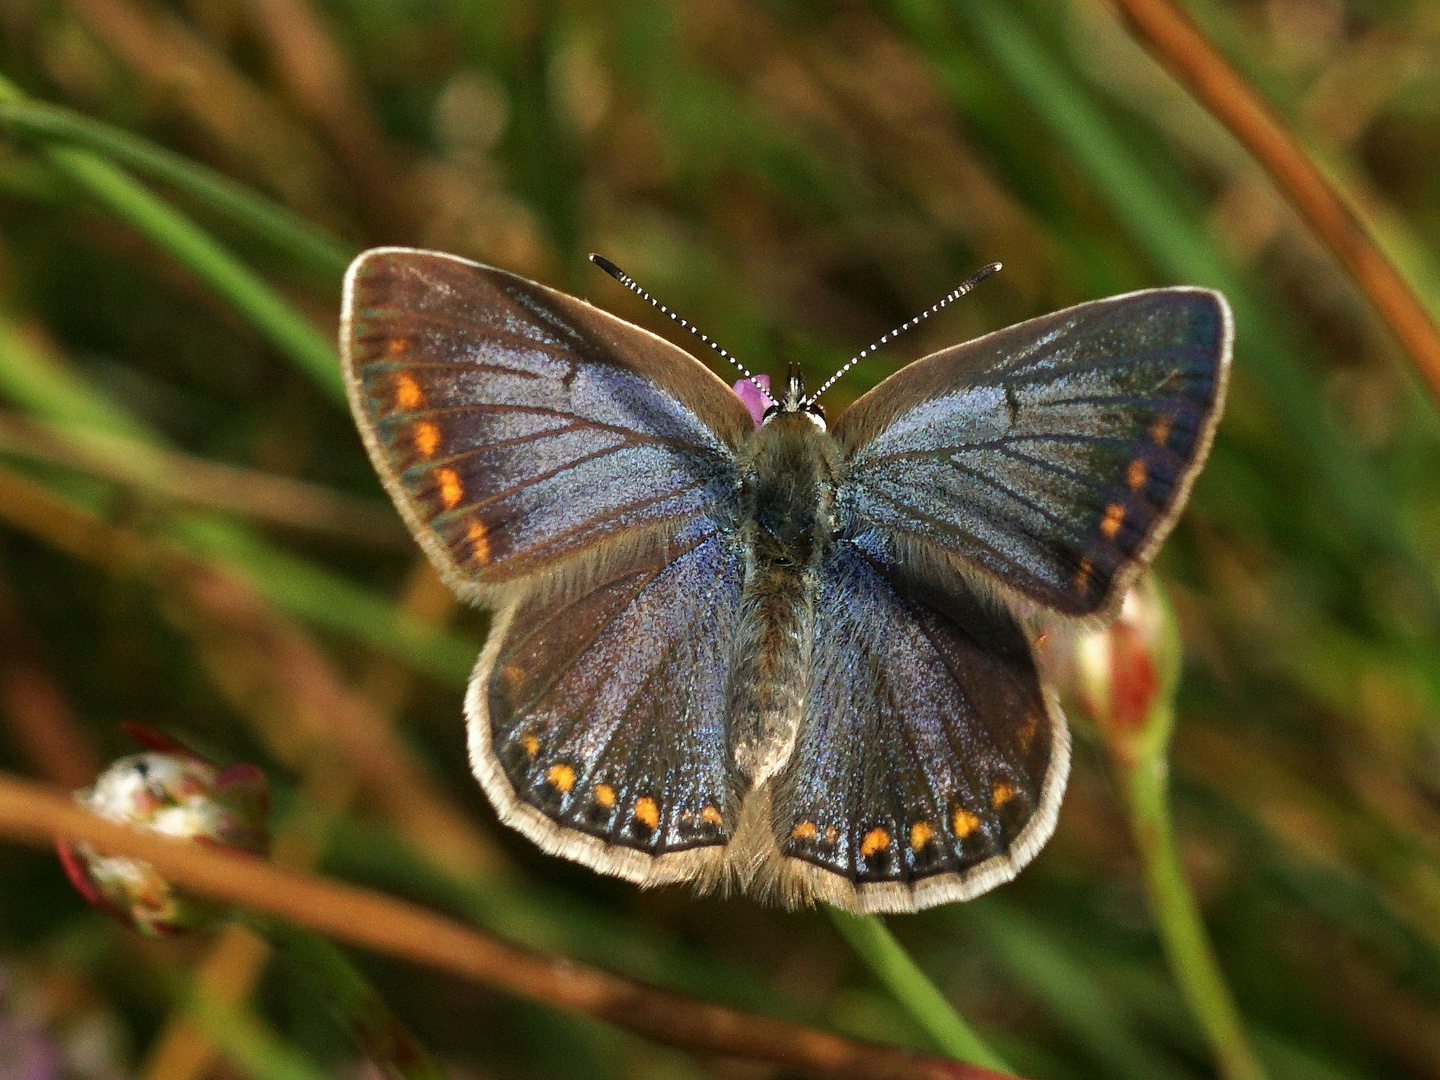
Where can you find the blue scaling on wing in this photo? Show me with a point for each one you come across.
(606, 706)
(927, 747)
(1053, 455)
(516, 427)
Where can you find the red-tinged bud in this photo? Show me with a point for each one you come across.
(174, 791)
(1124, 676)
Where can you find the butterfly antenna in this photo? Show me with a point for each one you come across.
(634, 286)
(964, 287)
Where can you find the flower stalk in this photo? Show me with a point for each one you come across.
(1125, 678)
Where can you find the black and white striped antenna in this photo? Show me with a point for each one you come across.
(634, 286)
(964, 287)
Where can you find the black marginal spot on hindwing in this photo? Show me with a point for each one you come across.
(875, 855)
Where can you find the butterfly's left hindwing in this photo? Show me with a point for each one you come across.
(597, 714)
(930, 763)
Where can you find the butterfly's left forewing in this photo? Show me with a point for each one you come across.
(516, 427)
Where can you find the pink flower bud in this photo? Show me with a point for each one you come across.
(754, 400)
(167, 789)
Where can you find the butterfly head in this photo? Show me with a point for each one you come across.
(793, 400)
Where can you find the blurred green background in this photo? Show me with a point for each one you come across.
(796, 178)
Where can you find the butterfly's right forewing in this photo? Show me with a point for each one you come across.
(1053, 456)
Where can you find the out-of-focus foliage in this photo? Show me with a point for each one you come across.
(796, 178)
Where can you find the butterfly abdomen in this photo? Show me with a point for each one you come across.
(786, 528)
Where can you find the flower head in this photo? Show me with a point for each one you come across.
(167, 789)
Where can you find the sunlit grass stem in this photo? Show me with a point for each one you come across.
(1187, 946)
(892, 966)
(1127, 677)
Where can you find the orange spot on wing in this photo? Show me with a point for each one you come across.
(562, 776)
(427, 438)
(647, 812)
(1081, 580)
(965, 823)
(804, 831)
(1001, 794)
(920, 835)
(1135, 475)
(604, 796)
(876, 841)
(397, 346)
(1160, 429)
(531, 745)
(1114, 518)
(479, 542)
(407, 392)
(451, 489)
(712, 816)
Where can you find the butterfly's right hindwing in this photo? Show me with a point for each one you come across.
(930, 762)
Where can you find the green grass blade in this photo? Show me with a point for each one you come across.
(285, 328)
(308, 244)
(249, 1042)
(891, 964)
(296, 586)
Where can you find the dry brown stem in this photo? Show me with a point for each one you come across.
(1176, 42)
(183, 73)
(319, 81)
(193, 481)
(35, 814)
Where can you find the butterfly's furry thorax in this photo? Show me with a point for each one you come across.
(786, 527)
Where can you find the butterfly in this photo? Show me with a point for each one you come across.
(793, 659)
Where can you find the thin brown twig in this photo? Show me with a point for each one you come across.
(1180, 46)
(35, 814)
(41, 718)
